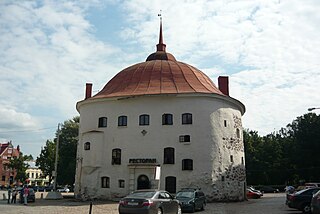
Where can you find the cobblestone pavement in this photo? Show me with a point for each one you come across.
(268, 204)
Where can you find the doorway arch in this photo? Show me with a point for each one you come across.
(143, 182)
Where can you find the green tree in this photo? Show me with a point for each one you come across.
(67, 151)
(45, 161)
(18, 164)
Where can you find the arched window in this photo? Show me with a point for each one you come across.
(105, 182)
(187, 118)
(187, 164)
(87, 146)
(167, 119)
(168, 155)
(122, 121)
(144, 120)
(116, 156)
(102, 122)
(170, 184)
(238, 133)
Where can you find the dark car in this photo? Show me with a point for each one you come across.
(191, 199)
(268, 189)
(149, 202)
(315, 203)
(301, 200)
(31, 197)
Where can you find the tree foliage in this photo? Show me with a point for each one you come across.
(18, 164)
(46, 159)
(67, 151)
(287, 156)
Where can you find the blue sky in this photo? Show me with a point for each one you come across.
(50, 49)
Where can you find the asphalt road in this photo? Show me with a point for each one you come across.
(268, 204)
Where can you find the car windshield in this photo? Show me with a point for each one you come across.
(184, 195)
(142, 194)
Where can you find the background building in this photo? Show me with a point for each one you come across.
(164, 113)
(35, 175)
(7, 152)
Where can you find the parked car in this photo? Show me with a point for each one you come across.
(301, 200)
(255, 190)
(31, 197)
(252, 194)
(149, 202)
(268, 189)
(191, 199)
(315, 203)
(64, 189)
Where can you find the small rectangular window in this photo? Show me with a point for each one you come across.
(231, 158)
(186, 118)
(184, 138)
(167, 119)
(187, 164)
(3, 178)
(225, 123)
(102, 122)
(144, 120)
(122, 121)
(242, 161)
(105, 182)
(121, 183)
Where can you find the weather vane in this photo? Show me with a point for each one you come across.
(160, 15)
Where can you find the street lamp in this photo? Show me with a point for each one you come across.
(314, 108)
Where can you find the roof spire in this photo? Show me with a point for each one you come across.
(161, 46)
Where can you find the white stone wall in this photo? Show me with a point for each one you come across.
(210, 148)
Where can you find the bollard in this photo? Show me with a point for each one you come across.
(90, 209)
(41, 196)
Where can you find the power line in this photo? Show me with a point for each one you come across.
(27, 130)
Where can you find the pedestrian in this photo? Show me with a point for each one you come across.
(9, 194)
(14, 196)
(25, 194)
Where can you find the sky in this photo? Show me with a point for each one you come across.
(49, 50)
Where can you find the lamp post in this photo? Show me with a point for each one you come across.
(313, 108)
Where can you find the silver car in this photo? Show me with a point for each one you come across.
(315, 203)
(149, 202)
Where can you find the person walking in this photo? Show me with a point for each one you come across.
(25, 194)
(14, 196)
(9, 194)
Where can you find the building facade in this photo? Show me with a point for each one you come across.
(160, 114)
(35, 175)
(7, 152)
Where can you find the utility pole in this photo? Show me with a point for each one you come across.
(55, 195)
(56, 161)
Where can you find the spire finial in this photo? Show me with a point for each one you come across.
(161, 46)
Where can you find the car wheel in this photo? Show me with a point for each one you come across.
(306, 208)
(193, 209)
(202, 207)
(159, 211)
(179, 210)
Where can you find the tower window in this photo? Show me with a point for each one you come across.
(187, 164)
(116, 156)
(184, 138)
(231, 158)
(238, 133)
(167, 119)
(105, 182)
(186, 118)
(87, 146)
(225, 123)
(121, 183)
(102, 122)
(168, 155)
(144, 120)
(122, 121)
